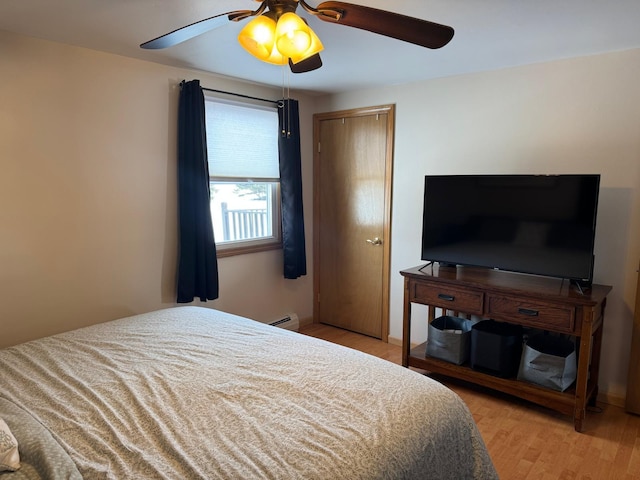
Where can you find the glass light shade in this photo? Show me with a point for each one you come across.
(258, 37)
(315, 47)
(276, 58)
(292, 35)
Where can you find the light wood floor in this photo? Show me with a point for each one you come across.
(524, 440)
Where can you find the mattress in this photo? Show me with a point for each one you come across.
(195, 393)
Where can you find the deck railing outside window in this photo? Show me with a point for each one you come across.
(243, 224)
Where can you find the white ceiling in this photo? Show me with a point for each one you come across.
(490, 34)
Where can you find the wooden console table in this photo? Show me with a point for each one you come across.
(539, 302)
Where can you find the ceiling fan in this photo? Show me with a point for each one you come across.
(272, 39)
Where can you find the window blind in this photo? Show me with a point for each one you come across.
(242, 140)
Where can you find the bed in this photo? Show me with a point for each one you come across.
(195, 393)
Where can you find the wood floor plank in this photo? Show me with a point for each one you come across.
(527, 441)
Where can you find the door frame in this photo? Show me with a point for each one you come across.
(389, 110)
(632, 402)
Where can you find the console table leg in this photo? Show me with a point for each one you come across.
(582, 377)
(578, 420)
(406, 325)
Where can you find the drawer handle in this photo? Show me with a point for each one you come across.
(448, 298)
(529, 313)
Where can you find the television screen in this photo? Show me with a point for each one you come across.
(536, 224)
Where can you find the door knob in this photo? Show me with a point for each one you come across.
(375, 241)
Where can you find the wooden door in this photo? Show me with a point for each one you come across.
(633, 380)
(352, 201)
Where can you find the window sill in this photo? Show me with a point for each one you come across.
(242, 250)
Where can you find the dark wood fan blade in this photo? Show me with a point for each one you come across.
(394, 25)
(198, 28)
(312, 63)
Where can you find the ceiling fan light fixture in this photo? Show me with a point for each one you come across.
(258, 37)
(278, 41)
(277, 35)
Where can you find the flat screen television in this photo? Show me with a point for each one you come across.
(534, 224)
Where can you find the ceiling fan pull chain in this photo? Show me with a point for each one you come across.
(283, 132)
(288, 104)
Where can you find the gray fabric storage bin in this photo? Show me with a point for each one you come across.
(449, 339)
(548, 361)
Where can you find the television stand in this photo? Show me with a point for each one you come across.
(531, 301)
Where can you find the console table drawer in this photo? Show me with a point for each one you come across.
(547, 316)
(467, 301)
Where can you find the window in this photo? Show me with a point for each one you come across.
(242, 148)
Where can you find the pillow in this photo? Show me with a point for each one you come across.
(9, 456)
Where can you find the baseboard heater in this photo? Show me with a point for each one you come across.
(289, 322)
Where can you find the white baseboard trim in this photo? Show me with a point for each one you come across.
(394, 341)
(611, 399)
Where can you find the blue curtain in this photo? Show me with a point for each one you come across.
(197, 258)
(295, 260)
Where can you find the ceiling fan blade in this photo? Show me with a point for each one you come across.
(312, 63)
(394, 25)
(198, 28)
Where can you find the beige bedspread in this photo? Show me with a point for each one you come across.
(194, 393)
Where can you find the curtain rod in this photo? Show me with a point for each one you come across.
(275, 102)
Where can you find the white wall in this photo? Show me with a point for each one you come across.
(88, 213)
(574, 116)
